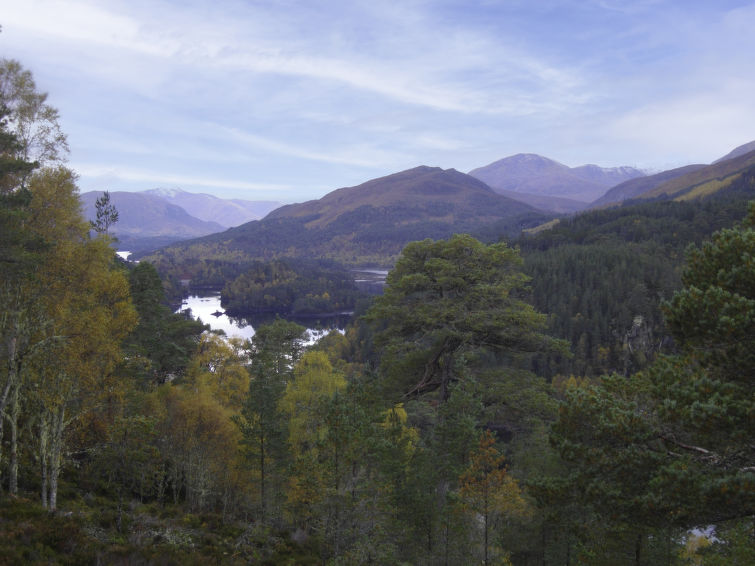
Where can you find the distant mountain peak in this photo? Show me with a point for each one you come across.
(534, 174)
(166, 192)
(370, 223)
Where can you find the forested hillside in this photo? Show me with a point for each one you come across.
(602, 275)
(580, 396)
(364, 225)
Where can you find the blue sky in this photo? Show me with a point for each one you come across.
(287, 100)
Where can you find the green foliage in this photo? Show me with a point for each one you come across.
(671, 446)
(294, 287)
(445, 304)
(107, 214)
(601, 276)
(13, 166)
(714, 315)
(163, 342)
(274, 352)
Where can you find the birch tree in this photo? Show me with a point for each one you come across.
(89, 313)
(34, 122)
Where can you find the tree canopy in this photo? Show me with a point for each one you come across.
(672, 444)
(446, 302)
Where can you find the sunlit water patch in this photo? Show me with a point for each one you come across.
(209, 311)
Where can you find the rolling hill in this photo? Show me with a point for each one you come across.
(368, 224)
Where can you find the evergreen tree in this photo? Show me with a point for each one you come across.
(672, 446)
(274, 351)
(446, 302)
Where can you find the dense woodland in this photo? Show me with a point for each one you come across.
(292, 287)
(580, 396)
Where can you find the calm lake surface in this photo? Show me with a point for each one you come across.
(207, 309)
(203, 308)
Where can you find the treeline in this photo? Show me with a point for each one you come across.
(602, 276)
(368, 235)
(421, 435)
(290, 287)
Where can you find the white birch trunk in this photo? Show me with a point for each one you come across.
(44, 438)
(56, 449)
(13, 418)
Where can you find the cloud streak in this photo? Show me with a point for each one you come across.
(295, 95)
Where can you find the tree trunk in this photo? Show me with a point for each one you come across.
(13, 463)
(638, 550)
(10, 381)
(262, 478)
(12, 373)
(44, 436)
(485, 522)
(56, 450)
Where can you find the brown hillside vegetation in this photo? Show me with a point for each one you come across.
(723, 172)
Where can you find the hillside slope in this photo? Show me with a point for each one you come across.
(737, 151)
(704, 181)
(368, 224)
(146, 221)
(225, 212)
(635, 187)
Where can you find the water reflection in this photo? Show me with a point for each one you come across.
(208, 310)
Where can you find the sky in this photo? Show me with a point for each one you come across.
(286, 100)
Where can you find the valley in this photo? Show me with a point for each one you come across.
(528, 364)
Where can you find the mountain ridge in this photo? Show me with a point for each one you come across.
(147, 221)
(633, 188)
(737, 151)
(534, 174)
(703, 181)
(370, 223)
(210, 208)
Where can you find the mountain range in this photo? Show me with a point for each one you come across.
(533, 174)
(159, 217)
(371, 222)
(146, 221)
(226, 212)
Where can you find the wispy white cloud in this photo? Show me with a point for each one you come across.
(422, 71)
(329, 93)
(154, 177)
(361, 156)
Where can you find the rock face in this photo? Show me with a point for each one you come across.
(537, 175)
